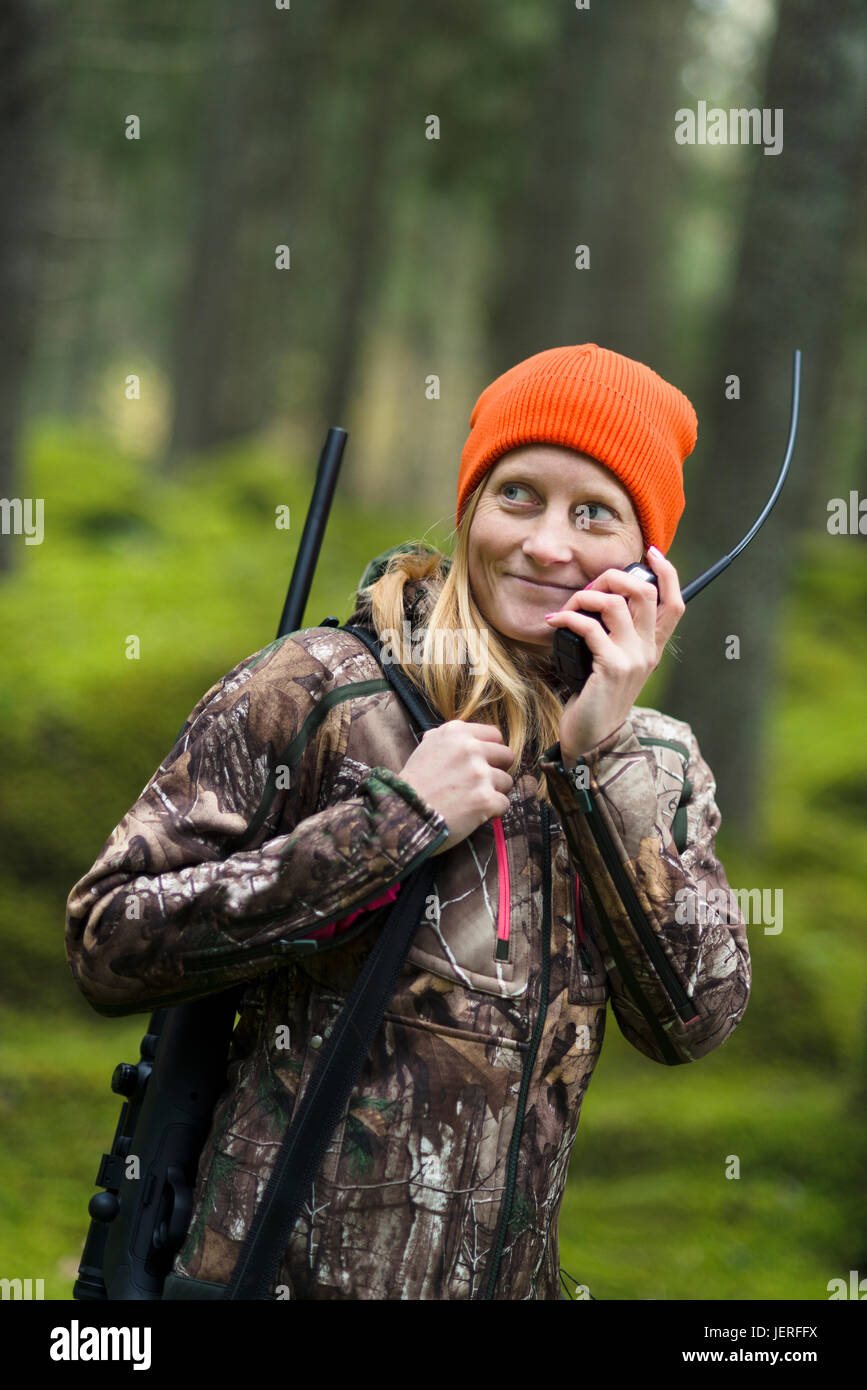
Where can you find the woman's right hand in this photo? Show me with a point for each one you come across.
(460, 770)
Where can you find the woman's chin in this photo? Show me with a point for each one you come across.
(536, 636)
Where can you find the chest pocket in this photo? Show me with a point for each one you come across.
(478, 924)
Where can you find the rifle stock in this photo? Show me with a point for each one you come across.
(140, 1220)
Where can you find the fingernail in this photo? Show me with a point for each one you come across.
(652, 550)
(550, 615)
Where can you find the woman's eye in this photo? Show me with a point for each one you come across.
(590, 511)
(585, 512)
(507, 486)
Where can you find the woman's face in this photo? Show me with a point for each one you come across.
(549, 520)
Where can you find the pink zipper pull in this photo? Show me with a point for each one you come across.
(504, 906)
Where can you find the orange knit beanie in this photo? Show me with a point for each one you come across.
(617, 411)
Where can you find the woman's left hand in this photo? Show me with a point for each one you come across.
(625, 656)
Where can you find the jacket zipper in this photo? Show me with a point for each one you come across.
(504, 905)
(679, 997)
(529, 1063)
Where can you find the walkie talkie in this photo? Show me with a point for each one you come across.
(572, 656)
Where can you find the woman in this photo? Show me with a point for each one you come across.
(575, 839)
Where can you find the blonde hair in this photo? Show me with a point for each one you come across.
(511, 691)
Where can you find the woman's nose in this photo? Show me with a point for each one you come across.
(548, 544)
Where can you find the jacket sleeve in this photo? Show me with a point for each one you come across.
(194, 892)
(674, 941)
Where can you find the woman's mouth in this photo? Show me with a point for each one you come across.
(549, 590)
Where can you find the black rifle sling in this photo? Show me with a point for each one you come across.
(340, 1061)
(413, 699)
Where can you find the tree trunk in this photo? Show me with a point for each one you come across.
(601, 157)
(22, 37)
(206, 411)
(789, 290)
(366, 214)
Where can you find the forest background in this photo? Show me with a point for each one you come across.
(227, 227)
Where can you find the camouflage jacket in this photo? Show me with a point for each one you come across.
(280, 810)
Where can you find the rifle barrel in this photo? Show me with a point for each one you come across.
(314, 529)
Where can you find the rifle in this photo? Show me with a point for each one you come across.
(140, 1220)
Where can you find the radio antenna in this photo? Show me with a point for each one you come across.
(698, 584)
